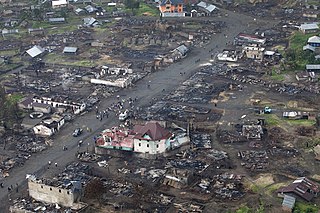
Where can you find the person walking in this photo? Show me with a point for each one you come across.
(56, 164)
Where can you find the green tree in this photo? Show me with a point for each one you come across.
(37, 14)
(132, 4)
(9, 112)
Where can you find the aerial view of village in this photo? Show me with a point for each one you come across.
(160, 106)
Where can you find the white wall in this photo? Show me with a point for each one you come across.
(150, 147)
(50, 194)
(42, 130)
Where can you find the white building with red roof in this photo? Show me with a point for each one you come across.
(151, 138)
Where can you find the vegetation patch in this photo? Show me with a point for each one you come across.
(303, 207)
(296, 58)
(272, 119)
(244, 209)
(147, 10)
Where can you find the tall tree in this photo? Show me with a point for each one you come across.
(9, 112)
(132, 4)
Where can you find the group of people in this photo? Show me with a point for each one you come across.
(49, 164)
(115, 107)
(10, 188)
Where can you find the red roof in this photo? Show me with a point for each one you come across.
(302, 187)
(152, 129)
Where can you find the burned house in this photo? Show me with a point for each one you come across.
(49, 126)
(178, 178)
(301, 188)
(61, 105)
(116, 138)
(253, 52)
(66, 194)
(252, 131)
(115, 76)
(228, 55)
(247, 39)
(302, 76)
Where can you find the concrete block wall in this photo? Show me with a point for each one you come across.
(50, 194)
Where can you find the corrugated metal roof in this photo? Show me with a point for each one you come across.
(313, 66)
(35, 51)
(56, 19)
(288, 201)
(314, 39)
(70, 49)
(182, 49)
(309, 47)
(202, 4)
(310, 26)
(211, 8)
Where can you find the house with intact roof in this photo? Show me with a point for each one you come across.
(309, 28)
(314, 41)
(151, 138)
(172, 8)
(147, 139)
(301, 188)
(205, 9)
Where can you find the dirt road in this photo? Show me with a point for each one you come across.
(167, 79)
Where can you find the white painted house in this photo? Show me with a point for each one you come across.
(59, 3)
(151, 138)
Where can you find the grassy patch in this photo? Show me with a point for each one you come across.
(244, 209)
(62, 29)
(14, 98)
(277, 76)
(272, 188)
(298, 40)
(296, 58)
(9, 52)
(300, 122)
(61, 59)
(7, 67)
(272, 119)
(147, 10)
(305, 208)
(192, 25)
(42, 24)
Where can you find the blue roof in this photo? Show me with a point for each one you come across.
(174, 2)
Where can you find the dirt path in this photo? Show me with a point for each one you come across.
(167, 79)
